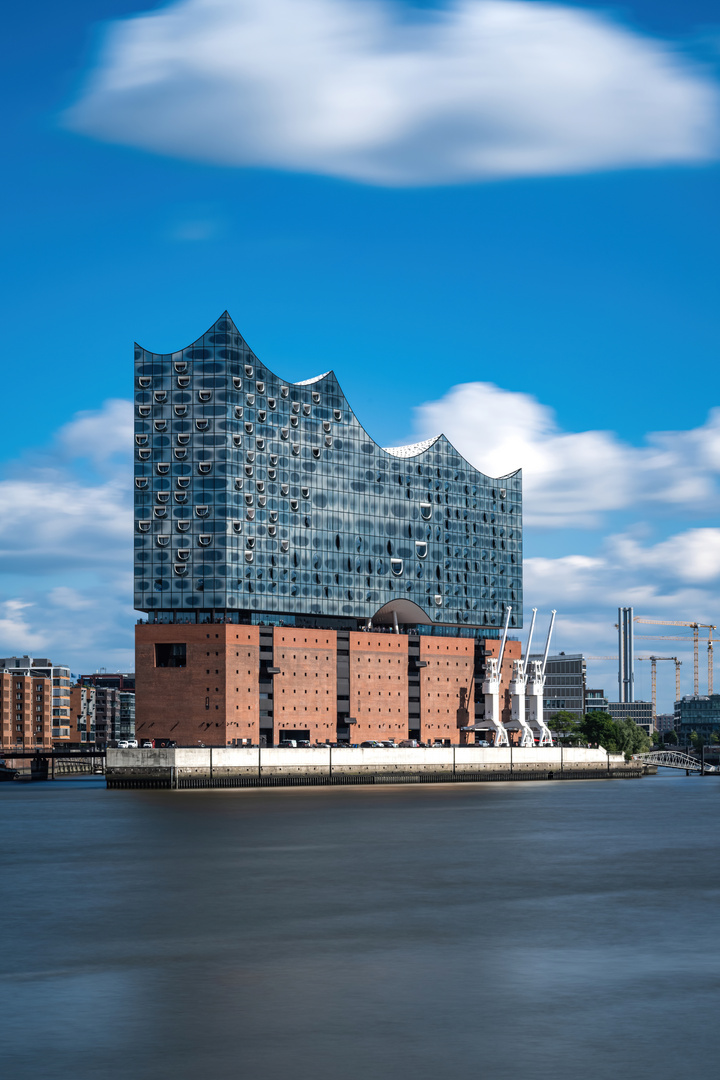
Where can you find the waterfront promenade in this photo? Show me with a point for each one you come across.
(184, 767)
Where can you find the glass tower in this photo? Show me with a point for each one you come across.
(259, 497)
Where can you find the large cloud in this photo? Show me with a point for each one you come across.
(576, 478)
(66, 545)
(383, 93)
(677, 578)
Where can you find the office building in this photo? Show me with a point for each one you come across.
(126, 719)
(565, 676)
(639, 711)
(595, 701)
(27, 701)
(114, 680)
(59, 676)
(82, 714)
(699, 714)
(275, 542)
(664, 722)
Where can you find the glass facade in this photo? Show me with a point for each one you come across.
(258, 496)
(700, 714)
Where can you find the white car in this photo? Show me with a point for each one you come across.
(123, 744)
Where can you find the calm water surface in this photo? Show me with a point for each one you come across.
(500, 930)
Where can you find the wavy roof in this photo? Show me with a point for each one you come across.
(224, 326)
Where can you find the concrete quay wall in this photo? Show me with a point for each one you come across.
(253, 766)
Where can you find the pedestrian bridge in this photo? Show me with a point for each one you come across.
(673, 759)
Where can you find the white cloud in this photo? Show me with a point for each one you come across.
(384, 93)
(100, 436)
(17, 637)
(675, 579)
(66, 544)
(575, 478)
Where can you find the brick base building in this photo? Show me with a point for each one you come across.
(26, 711)
(233, 684)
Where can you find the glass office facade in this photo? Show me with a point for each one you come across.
(258, 496)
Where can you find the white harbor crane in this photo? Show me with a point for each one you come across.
(491, 690)
(518, 721)
(535, 685)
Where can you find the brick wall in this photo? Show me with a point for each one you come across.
(446, 687)
(379, 686)
(214, 699)
(305, 691)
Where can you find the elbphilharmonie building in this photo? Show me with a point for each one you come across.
(259, 500)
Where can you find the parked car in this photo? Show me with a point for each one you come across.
(287, 744)
(409, 742)
(132, 743)
(146, 744)
(303, 742)
(483, 742)
(123, 744)
(370, 744)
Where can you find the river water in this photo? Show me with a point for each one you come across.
(559, 930)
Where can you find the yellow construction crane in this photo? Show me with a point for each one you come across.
(653, 678)
(696, 627)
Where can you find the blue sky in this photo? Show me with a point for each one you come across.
(585, 292)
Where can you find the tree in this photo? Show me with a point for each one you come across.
(600, 728)
(671, 737)
(632, 739)
(565, 724)
(616, 736)
(715, 738)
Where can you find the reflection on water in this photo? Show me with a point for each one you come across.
(500, 930)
